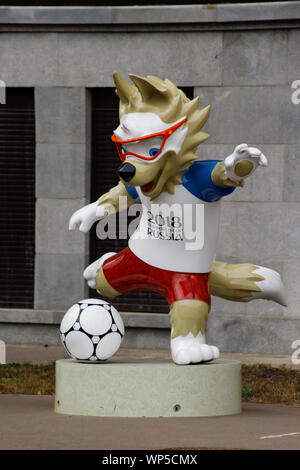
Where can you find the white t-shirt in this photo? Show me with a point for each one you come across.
(179, 232)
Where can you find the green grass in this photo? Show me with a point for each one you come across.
(260, 383)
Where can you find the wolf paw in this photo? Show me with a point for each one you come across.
(190, 349)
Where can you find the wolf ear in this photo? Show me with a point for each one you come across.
(125, 91)
(149, 86)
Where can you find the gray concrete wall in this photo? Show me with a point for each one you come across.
(62, 187)
(242, 60)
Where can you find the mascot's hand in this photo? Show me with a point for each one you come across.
(85, 217)
(243, 162)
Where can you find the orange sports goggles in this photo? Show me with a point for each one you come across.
(156, 152)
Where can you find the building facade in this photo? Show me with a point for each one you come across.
(244, 60)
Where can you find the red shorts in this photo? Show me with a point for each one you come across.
(125, 272)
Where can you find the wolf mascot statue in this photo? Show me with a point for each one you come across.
(159, 132)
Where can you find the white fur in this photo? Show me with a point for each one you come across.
(271, 287)
(190, 349)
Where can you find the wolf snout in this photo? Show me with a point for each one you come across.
(126, 171)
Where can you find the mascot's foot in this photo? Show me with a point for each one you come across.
(90, 272)
(271, 286)
(190, 349)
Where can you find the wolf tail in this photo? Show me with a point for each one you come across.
(245, 282)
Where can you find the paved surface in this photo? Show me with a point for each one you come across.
(29, 422)
(36, 353)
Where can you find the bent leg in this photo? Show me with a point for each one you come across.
(120, 274)
(245, 282)
(103, 286)
(90, 272)
(233, 281)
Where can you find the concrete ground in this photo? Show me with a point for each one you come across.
(36, 353)
(29, 422)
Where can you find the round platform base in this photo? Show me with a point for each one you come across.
(148, 387)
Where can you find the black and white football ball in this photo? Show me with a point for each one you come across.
(92, 330)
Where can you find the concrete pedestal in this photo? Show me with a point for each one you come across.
(148, 387)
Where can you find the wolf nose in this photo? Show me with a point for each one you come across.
(126, 171)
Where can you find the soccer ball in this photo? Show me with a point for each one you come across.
(92, 330)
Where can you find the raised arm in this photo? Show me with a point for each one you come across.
(239, 165)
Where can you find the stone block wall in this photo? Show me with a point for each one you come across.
(62, 187)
